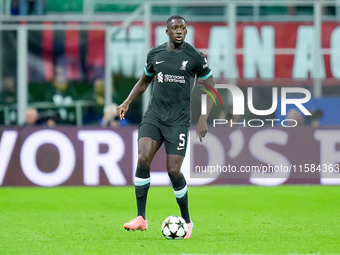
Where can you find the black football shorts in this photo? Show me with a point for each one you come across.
(175, 137)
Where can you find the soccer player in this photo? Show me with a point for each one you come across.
(172, 66)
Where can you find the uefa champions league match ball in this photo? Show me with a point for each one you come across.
(174, 227)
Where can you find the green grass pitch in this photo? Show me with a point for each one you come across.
(228, 220)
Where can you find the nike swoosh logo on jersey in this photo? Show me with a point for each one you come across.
(180, 148)
(158, 62)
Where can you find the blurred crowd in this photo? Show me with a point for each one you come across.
(58, 104)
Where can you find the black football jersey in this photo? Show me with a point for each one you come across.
(173, 72)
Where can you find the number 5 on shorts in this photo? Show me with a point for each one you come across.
(181, 144)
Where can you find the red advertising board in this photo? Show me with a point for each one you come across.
(282, 53)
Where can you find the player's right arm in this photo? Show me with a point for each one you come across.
(137, 90)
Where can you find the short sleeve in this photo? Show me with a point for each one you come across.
(149, 68)
(202, 66)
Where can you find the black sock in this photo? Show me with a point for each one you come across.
(142, 184)
(181, 192)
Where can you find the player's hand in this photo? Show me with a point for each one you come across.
(122, 109)
(202, 127)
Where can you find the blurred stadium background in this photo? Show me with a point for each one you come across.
(65, 61)
(64, 65)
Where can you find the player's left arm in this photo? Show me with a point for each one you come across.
(205, 73)
(202, 127)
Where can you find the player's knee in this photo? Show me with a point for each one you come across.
(173, 172)
(144, 160)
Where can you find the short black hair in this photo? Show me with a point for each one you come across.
(175, 17)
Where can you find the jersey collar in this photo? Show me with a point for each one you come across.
(175, 51)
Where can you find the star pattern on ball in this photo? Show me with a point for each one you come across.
(181, 224)
(166, 224)
(174, 227)
(173, 235)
